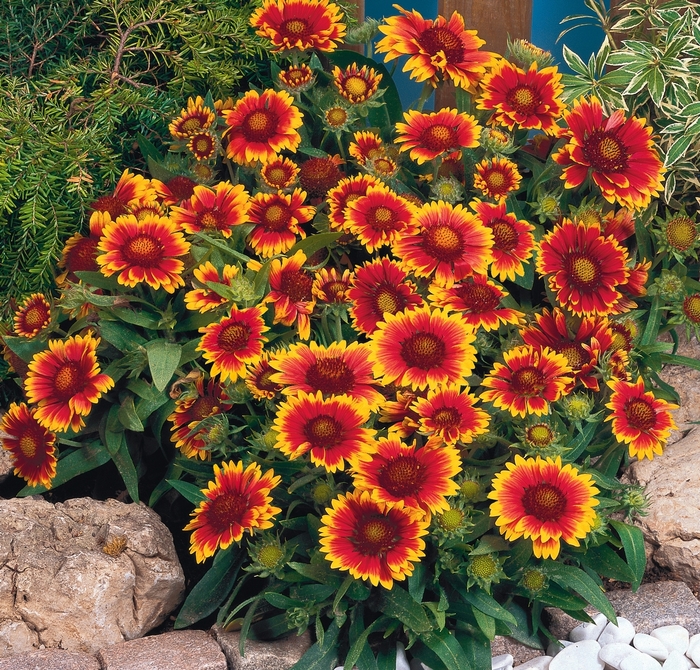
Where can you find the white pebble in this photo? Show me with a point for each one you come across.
(693, 650)
(677, 661)
(622, 633)
(553, 648)
(502, 662)
(650, 645)
(589, 631)
(537, 663)
(613, 653)
(674, 638)
(580, 655)
(641, 662)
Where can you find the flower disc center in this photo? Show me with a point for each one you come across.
(35, 317)
(479, 298)
(539, 435)
(375, 535)
(227, 509)
(191, 126)
(66, 381)
(276, 217)
(330, 375)
(423, 350)
(583, 270)
(505, 237)
(387, 301)
(439, 138)
(443, 242)
(575, 354)
(203, 407)
(357, 87)
(446, 417)
(323, 431)
(234, 337)
(381, 218)
(681, 233)
(640, 414)
(144, 250)
(402, 476)
(528, 381)
(434, 40)
(297, 285)
(258, 126)
(691, 307)
(523, 100)
(544, 501)
(28, 445)
(604, 151)
(295, 28)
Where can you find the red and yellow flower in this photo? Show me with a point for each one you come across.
(448, 415)
(617, 153)
(378, 288)
(583, 268)
(367, 146)
(319, 175)
(545, 502)
(528, 382)
(331, 287)
(513, 241)
(258, 378)
(203, 145)
(290, 292)
(329, 430)
(31, 447)
(196, 118)
(129, 189)
(418, 479)
(202, 298)
(277, 217)
(451, 243)
(340, 196)
(428, 136)
(33, 316)
(236, 501)
(398, 413)
(279, 173)
(496, 178)
(213, 210)
(80, 253)
(296, 78)
(371, 540)
(299, 24)
(262, 125)
(190, 410)
(422, 348)
(478, 300)
(380, 217)
(639, 419)
(175, 190)
(439, 49)
(529, 99)
(356, 84)
(335, 370)
(65, 382)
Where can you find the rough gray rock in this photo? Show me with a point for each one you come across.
(180, 650)
(520, 652)
(61, 587)
(280, 655)
(51, 659)
(5, 459)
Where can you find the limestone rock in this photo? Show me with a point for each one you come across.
(278, 655)
(61, 587)
(51, 659)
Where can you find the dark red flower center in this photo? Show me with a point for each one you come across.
(68, 381)
(202, 145)
(505, 237)
(528, 381)
(318, 176)
(447, 417)
(263, 381)
(423, 350)
(575, 354)
(443, 243)
(323, 431)
(434, 40)
(144, 250)
(203, 407)
(35, 316)
(335, 291)
(108, 203)
(234, 337)
(583, 271)
(640, 414)
(225, 510)
(523, 99)
(297, 285)
(404, 475)
(544, 501)
(81, 256)
(478, 298)
(331, 375)
(438, 138)
(605, 152)
(277, 175)
(30, 441)
(387, 301)
(691, 307)
(259, 125)
(295, 29)
(276, 217)
(374, 535)
(181, 187)
(496, 181)
(681, 233)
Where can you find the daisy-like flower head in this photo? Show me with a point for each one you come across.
(618, 153)
(338, 117)
(202, 298)
(130, 187)
(367, 146)
(196, 118)
(678, 234)
(690, 310)
(428, 136)
(190, 410)
(378, 288)
(340, 196)
(290, 292)
(371, 540)
(31, 447)
(496, 178)
(583, 268)
(296, 78)
(419, 479)
(175, 190)
(478, 300)
(438, 50)
(545, 502)
(203, 145)
(513, 241)
(380, 217)
(299, 24)
(237, 501)
(528, 382)
(398, 413)
(65, 382)
(279, 173)
(33, 316)
(448, 415)
(331, 287)
(639, 419)
(619, 224)
(80, 253)
(329, 430)
(262, 125)
(451, 243)
(213, 210)
(143, 251)
(319, 175)
(258, 379)
(335, 370)
(356, 84)
(422, 348)
(529, 99)
(234, 342)
(277, 217)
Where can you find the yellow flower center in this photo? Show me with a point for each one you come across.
(276, 217)
(384, 166)
(533, 580)
(381, 218)
(446, 417)
(356, 86)
(295, 27)
(691, 307)
(423, 350)
(321, 493)
(610, 149)
(590, 216)
(450, 520)
(203, 145)
(523, 100)
(277, 176)
(270, 555)
(444, 242)
(483, 566)
(336, 117)
(575, 355)
(143, 250)
(470, 489)
(540, 435)
(375, 536)
(528, 381)
(640, 414)
(583, 270)
(387, 301)
(234, 337)
(191, 125)
(28, 445)
(681, 233)
(495, 180)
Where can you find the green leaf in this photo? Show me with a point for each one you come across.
(398, 603)
(651, 329)
(163, 360)
(128, 415)
(211, 590)
(98, 280)
(674, 359)
(485, 603)
(119, 335)
(633, 543)
(678, 149)
(282, 602)
(360, 653)
(477, 649)
(657, 85)
(581, 441)
(521, 630)
(137, 318)
(604, 561)
(321, 657)
(486, 623)
(321, 573)
(573, 60)
(577, 580)
(188, 491)
(223, 247)
(125, 464)
(313, 243)
(446, 647)
(147, 148)
(23, 347)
